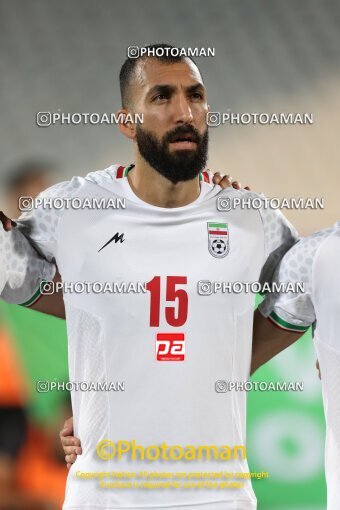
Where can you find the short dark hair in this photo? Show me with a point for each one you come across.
(130, 65)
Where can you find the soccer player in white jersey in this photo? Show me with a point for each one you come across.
(171, 234)
(314, 261)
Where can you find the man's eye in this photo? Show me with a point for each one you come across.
(160, 97)
(197, 95)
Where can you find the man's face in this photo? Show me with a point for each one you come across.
(173, 138)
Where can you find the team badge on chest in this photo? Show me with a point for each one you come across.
(218, 239)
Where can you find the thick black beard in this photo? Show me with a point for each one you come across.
(177, 166)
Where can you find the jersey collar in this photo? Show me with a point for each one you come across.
(123, 171)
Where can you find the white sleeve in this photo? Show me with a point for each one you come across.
(40, 224)
(279, 237)
(28, 252)
(22, 270)
(293, 310)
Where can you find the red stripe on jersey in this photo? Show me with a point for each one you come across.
(120, 171)
(218, 232)
(205, 176)
(168, 336)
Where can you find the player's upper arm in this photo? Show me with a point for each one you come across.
(40, 224)
(292, 308)
(284, 316)
(287, 313)
(269, 340)
(23, 270)
(29, 250)
(279, 236)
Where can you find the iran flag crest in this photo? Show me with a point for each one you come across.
(218, 239)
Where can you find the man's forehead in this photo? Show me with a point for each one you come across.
(151, 72)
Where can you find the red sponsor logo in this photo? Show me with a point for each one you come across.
(170, 347)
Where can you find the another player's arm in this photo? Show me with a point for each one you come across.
(31, 248)
(269, 340)
(23, 272)
(51, 304)
(282, 318)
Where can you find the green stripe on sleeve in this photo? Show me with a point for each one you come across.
(286, 325)
(35, 296)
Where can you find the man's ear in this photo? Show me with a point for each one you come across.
(125, 124)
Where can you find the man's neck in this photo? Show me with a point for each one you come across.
(154, 189)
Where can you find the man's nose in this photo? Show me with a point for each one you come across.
(183, 113)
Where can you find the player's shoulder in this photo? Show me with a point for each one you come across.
(63, 188)
(272, 218)
(247, 200)
(107, 175)
(104, 178)
(335, 232)
(237, 198)
(308, 246)
(322, 245)
(299, 260)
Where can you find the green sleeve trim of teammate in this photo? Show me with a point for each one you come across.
(286, 325)
(36, 295)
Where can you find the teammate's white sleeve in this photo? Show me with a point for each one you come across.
(41, 223)
(294, 311)
(279, 237)
(29, 250)
(22, 270)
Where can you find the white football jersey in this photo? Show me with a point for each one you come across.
(169, 345)
(314, 260)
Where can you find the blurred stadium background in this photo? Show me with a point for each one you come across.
(270, 57)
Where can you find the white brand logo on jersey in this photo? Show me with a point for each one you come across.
(218, 239)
